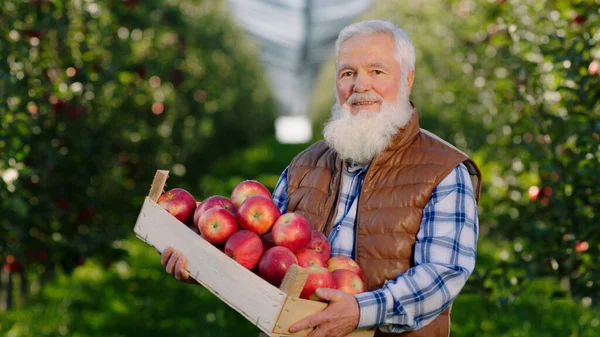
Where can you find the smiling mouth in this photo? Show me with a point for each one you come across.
(364, 103)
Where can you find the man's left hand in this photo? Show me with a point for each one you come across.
(339, 319)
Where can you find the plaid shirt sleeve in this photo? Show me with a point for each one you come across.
(444, 256)
(280, 191)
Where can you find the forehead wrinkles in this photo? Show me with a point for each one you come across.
(366, 49)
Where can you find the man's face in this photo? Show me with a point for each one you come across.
(366, 65)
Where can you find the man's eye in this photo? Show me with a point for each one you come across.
(378, 72)
(346, 73)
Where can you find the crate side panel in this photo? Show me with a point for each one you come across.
(254, 298)
(296, 309)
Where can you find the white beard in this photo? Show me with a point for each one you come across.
(360, 137)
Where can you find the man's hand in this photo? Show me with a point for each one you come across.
(339, 319)
(175, 264)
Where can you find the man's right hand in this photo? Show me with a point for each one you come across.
(175, 264)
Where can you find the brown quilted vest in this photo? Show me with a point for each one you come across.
(395, 189)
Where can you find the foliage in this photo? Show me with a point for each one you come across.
(515, 84)
(545, 158)
(95, 96)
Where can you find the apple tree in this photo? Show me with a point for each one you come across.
(538, 78)
(97, 95)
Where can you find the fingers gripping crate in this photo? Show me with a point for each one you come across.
(273, 310)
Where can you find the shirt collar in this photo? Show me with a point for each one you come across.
(352, 167)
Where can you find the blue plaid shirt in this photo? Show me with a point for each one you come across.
(444, 252)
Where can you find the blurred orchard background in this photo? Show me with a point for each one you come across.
(97, 95)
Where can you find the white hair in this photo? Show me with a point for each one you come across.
(405, 50)
(359, 138)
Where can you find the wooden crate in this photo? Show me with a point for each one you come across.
(273, 310)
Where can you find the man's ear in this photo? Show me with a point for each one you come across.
(410, 79)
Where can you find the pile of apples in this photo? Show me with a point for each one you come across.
(250, 229)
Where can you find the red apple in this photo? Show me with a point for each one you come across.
(594, 68)
(12, 264)
(210, 202)
(216, 225)
(246, 189)
(179, 202)
(318, 277)
(319, 243)
(245, 248)
(348, 281)
(309, 258)
(275, 263)
(343, 262)
(267, 240)
(36, 255)
(533, 192)
(292, 230)
(579, 19)
(582, 246)
(257, 214)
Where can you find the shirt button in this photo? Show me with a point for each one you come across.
(339, 227)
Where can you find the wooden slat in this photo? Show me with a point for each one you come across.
(158, 184)
(292, 285)
(251, 296)
(355, 333)
(362, 333)
(294, 281)
(294, 310)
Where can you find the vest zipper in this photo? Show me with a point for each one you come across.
(358, 214)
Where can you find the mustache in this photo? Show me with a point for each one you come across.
(357, 97)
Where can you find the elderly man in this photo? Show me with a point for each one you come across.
(394, 197)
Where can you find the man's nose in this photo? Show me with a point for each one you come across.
(362, 83)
